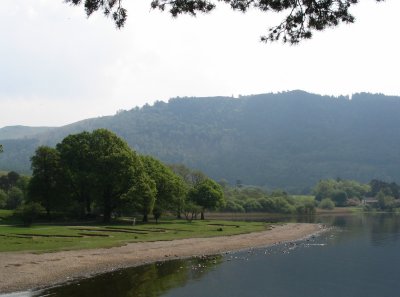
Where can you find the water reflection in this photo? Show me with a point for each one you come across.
(151, 280)
(359, 258)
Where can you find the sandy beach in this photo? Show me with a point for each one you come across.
(23, 271)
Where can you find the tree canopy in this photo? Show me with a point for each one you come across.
(45, 175)
(208, 195)
(97, 172)
(170, 187)
(303, 18)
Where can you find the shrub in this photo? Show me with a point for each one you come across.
(339, 197)
(3, 199)
(29, 212)
(233, 206)
(327, 204)
(15, 198)
(252, 205)
(306, 207)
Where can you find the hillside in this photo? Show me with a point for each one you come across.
(287, 140)
(17, 132)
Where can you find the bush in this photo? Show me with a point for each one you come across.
(15, 198)
(3, 199)
(282, 205)
(386, 202)
(252, 205)
(339, 197)
(29, 212)
(327, 204)
(306, 208)
(233, 206)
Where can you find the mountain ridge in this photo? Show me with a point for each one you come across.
(288, 140)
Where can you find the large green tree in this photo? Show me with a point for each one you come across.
(302, 19)
(115, 168)
(9, 180)
(15, 198)
(208, 195)
(76, 161)
(44, 184)
(170, 187)
(142, 196)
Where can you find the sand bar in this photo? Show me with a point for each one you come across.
(21, 271)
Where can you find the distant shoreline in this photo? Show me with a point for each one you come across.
(20, 271)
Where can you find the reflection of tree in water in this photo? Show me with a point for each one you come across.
(151, 280)
(381, 228)
(385, 228)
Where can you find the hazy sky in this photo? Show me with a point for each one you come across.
(57, 66)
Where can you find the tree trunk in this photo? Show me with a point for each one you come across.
(88, 206)
(202, 215)
(107, 209)
(48, 213)
(107, 214)
(145, 218)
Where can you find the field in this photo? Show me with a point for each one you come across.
(53, 237)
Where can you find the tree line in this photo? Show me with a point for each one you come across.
(13, 190)
(254, 199)
(338, 192)
(97, 172)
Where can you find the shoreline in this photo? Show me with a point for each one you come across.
(22, 271)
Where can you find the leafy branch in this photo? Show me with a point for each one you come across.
(304, 18)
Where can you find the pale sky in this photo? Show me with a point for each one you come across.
(58, 67)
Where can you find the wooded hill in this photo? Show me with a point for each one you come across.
(288, 140)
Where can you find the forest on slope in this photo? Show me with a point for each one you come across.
(287, 140)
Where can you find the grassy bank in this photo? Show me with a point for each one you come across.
(50, 237)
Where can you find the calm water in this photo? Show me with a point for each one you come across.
(360, 258)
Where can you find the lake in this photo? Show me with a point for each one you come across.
(360, 257)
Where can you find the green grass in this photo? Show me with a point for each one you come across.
(47, 238)
(5, 216)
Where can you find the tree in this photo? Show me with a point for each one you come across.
(43, 186)
(170, 187)
(378, 186)
(29, 212)
(4, 183)
(304, 17)
(339, 197)
(142, 196)
(115, 168)
(9, 180)
(15, 198)
(208, 195)
(3, 199)
(76, 161)
(385, 201)
(13, 178)
(326, 203)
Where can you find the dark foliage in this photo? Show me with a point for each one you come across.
(389, 189)
(111, 8)
(303, 18)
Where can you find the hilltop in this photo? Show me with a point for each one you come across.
(287, 140)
